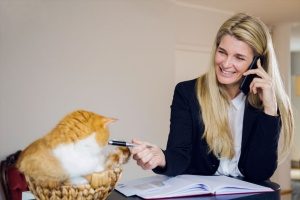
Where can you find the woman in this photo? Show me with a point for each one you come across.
(217, 129)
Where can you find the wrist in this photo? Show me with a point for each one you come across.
(162, 163)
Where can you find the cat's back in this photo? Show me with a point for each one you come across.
(34, 157)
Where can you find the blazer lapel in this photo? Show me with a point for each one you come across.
(249, 117)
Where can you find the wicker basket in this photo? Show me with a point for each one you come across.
(100, 186)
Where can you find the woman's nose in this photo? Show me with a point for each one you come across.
(228, 62)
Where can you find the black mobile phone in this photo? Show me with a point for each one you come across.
(245, 85)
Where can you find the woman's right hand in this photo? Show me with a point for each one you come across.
(147, 155)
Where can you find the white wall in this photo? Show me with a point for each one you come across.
(115, 58)
(195, 31)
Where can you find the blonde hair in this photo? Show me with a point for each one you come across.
(213, 99)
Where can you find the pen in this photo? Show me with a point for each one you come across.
(124, 143)
(121, 143)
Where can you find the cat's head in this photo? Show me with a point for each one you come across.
(99, 124)
(83, 123)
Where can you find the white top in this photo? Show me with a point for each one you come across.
(236, 117)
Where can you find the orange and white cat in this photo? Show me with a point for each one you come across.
(72, 151)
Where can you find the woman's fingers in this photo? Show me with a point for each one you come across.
(260, 72)
(147, 155)
(260, 83)
(263, 86)
(140, 146)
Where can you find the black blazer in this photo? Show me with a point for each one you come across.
(188, 153)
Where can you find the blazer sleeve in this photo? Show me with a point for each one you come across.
(259, 161)
(178, 152)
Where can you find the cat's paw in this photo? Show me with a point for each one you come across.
(78, 180)
(118, 157)
(125, 154)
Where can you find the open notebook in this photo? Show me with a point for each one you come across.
(160, 186)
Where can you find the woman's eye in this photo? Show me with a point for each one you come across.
(240, 58)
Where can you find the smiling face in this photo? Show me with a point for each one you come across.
(232, 59)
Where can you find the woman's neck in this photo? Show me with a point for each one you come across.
(232, 91)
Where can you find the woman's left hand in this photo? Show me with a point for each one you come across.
(263, 86)
(147, 155)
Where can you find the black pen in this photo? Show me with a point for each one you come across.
(121, 143)
(124, 143)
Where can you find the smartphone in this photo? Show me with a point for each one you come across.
(245, 85)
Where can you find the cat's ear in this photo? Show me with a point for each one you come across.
(107, 120)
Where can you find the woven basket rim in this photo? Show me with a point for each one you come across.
(69, 191)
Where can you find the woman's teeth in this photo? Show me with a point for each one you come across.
(226, 72)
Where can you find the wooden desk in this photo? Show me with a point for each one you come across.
(115, 195)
